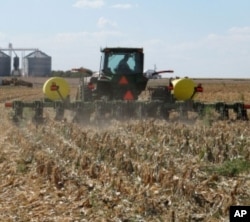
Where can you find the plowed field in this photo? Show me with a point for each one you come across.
(147, 170)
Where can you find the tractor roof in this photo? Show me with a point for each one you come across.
(121, 49)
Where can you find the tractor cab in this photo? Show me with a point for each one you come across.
(122, 61)
(121, 74)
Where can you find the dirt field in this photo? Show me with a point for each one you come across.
(147, 170)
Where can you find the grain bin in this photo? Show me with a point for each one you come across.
(37, 63)
(5, 63)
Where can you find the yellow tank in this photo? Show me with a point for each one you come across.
(183, 88)
(56, 88)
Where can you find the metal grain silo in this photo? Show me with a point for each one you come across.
(38, 63)
(5, 63)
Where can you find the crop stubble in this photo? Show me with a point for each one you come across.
(147, 170)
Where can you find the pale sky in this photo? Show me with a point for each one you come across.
(196, 38)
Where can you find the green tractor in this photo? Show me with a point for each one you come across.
(117, 87)
(120, 76)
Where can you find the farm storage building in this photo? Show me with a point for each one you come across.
(5, 63)
(37, 63)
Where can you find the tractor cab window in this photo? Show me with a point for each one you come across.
(122, 63)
